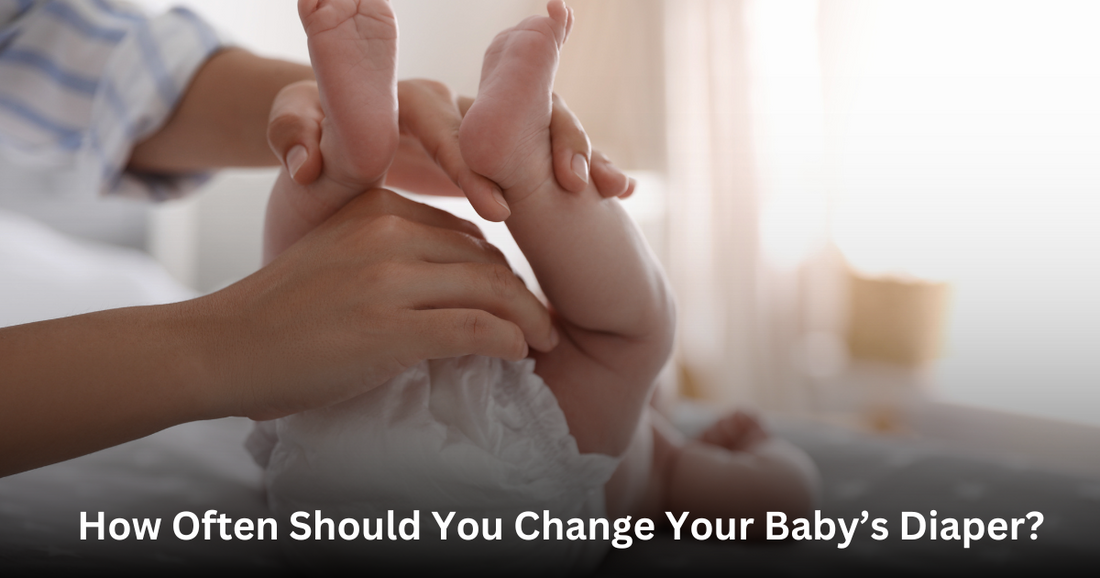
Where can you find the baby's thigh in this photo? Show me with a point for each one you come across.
(604, 403)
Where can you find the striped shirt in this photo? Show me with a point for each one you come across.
(81, 81)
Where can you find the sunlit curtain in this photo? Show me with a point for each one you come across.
(747, 198)
(720, 101)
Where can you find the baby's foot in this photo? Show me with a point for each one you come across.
(735, 432)
(353, 46)
(505, 136)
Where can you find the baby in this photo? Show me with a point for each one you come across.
(568, 430)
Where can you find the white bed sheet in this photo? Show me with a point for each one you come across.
(44, 274)
(192, 467)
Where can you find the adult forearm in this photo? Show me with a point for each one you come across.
(79, 384)
(380, 286)
(222, 119)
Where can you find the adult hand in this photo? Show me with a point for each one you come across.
(381, 285)
(428, 159)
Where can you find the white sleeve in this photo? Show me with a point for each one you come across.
(82, 81)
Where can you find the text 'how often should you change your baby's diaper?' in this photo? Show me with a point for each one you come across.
(530, 526)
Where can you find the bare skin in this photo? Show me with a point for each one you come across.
(428, 159)
(354, 46)
(613, 307)
(610, 299)
(380, 286)
(79, 384)
(359, 132)
(222, 119)
(243, 110)
(735, 469)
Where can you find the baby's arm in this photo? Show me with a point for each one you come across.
(735, 469)
(770, 475)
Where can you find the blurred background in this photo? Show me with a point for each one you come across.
(879, 214)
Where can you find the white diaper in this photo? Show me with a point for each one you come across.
(476, 435)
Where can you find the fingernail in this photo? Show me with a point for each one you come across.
(580, 167)
(499, 196)
(295, 159)
(554, 337)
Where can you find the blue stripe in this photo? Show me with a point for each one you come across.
(150, 53)
(7, 35)
(10, 28)
(105, 167)
(24, 5)
(50, 69)
(66, 14)
(118, 105)
(148, 47)
(118, 11)
(67, 138)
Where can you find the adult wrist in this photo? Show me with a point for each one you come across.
(202, 362)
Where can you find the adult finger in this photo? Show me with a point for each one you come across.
(493, 288)
(464, 104)
(571, 148)
(457, 332)
(294, 130)
(610, 181)
(430, 112)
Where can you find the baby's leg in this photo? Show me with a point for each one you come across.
(610, 300)
(505, 135)
(353, 46)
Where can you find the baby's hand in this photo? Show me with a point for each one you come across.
(735, 432)
(428, 160)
